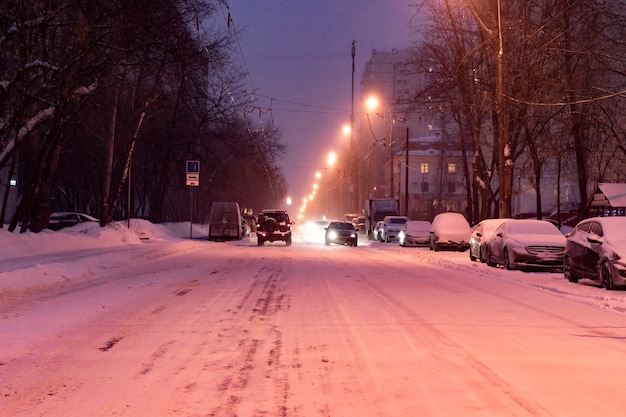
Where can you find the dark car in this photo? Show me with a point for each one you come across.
(67, 219)
(596, 249)
(342, 233)
(273, 225)
(526, 244)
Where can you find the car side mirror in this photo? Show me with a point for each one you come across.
(594, 239)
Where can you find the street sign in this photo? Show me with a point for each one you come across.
(193, 167)
(193, 173)
(193, 180)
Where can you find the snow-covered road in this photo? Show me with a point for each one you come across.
(198, 328)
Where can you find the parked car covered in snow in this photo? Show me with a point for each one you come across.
(414, 233)
(526, 244)
(449, 231)
(64, 219)
(480, 236)
(596, 249)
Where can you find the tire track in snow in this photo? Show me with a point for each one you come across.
(258, 344)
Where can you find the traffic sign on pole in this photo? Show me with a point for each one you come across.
(193, 173)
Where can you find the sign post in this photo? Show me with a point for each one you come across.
(193, 180)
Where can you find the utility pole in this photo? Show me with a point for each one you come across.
(353, 168)
(391, 188)
(505, 168)
(406, 174)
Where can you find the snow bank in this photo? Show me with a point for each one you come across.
(33, 261)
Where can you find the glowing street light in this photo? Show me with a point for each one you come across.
(332, 158)
(371, 103)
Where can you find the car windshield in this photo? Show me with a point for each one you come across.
(342, 226)
(532, 227)
(418, 227)
(397, 221)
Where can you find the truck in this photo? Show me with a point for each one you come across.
(377, 209)
(225, 221)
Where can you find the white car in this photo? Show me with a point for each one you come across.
(450, 231)
(480, 237)
(376, 231)
(391, 228)
(525, 244)
(414, 233)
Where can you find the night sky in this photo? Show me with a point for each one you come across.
(298, 56)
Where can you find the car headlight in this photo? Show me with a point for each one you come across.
(352, 234)
(332, 235)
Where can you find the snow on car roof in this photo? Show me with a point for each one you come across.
(450, 220)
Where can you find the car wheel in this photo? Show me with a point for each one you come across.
(327, 242)
(606, 277)
(436, 247)
(507, 261)
(568, 271)
(288, 241)
(259, 242)
(472, 257)
(481, 256)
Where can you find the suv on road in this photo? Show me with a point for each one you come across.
(273, 225)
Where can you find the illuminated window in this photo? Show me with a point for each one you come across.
(424, 167)
(451, 168)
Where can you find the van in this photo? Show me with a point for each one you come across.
(226, 222)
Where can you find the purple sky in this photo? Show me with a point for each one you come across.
(298, 57)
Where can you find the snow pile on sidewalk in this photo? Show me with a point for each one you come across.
(31, 261)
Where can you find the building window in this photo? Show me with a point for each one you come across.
(451, 168)
(424, 167)
(424, 186)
